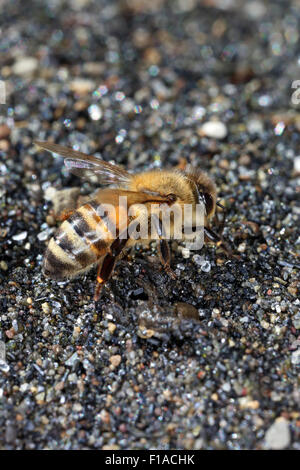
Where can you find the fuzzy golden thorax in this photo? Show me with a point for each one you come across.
(189, 188)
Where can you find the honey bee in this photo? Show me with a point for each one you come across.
(91, 235)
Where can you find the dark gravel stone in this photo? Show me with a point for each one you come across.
(207, 361)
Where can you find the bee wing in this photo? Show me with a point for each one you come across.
(88, 166)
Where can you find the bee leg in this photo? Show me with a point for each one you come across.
(211, 235)
(216, 238)
(106, 269)
(165, 256)
(163, 247)
(104, 272)
(220, 222)
(65, 214)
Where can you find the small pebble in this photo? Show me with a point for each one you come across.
(278, 436)
(210, 360)
(46, 308)
(4, 131)
(295, 358)
(25, 66)
(297, 164)
(3, 266)
(20, 236)
(115, 360)
(82, 86)
(214, 129)
(206, 266)
(255, 126)
(111, 327)
(242, 247)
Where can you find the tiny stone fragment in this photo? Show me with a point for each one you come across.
(214, 129)
(278, 435)
(115, 360)
(25, 66)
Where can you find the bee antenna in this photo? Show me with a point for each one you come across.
(220, 205)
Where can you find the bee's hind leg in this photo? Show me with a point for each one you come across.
(106, 268)
(65, 214)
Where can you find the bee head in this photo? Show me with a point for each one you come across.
(204, 190)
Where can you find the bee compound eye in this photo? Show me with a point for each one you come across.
(208, 202)
(47, 270)
(171, 198)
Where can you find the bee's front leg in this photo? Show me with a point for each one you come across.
(220, 222)
(216, 238)
(163, 248)
(165, 257)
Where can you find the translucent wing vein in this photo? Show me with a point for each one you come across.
(88, 166)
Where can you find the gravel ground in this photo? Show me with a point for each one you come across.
(211, 360)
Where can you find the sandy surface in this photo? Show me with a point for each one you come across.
(135, 82)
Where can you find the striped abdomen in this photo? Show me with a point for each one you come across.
(79, 242)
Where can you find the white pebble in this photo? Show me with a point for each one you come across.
(77, 407)
(214, 129)
(25, 66)
(95, 112)
(198, 259)
(42, 236)
(82, 86)
(4, 367)
(226, 387)
(242, 247)
(206, 267)
(127, 106)
(185, 253)
(255, 126)
(278, 435)
(19, 236)
(296, 357)
(198, 112)
(50, 193)
(297, 164)
(2, 351)
(255, 9)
